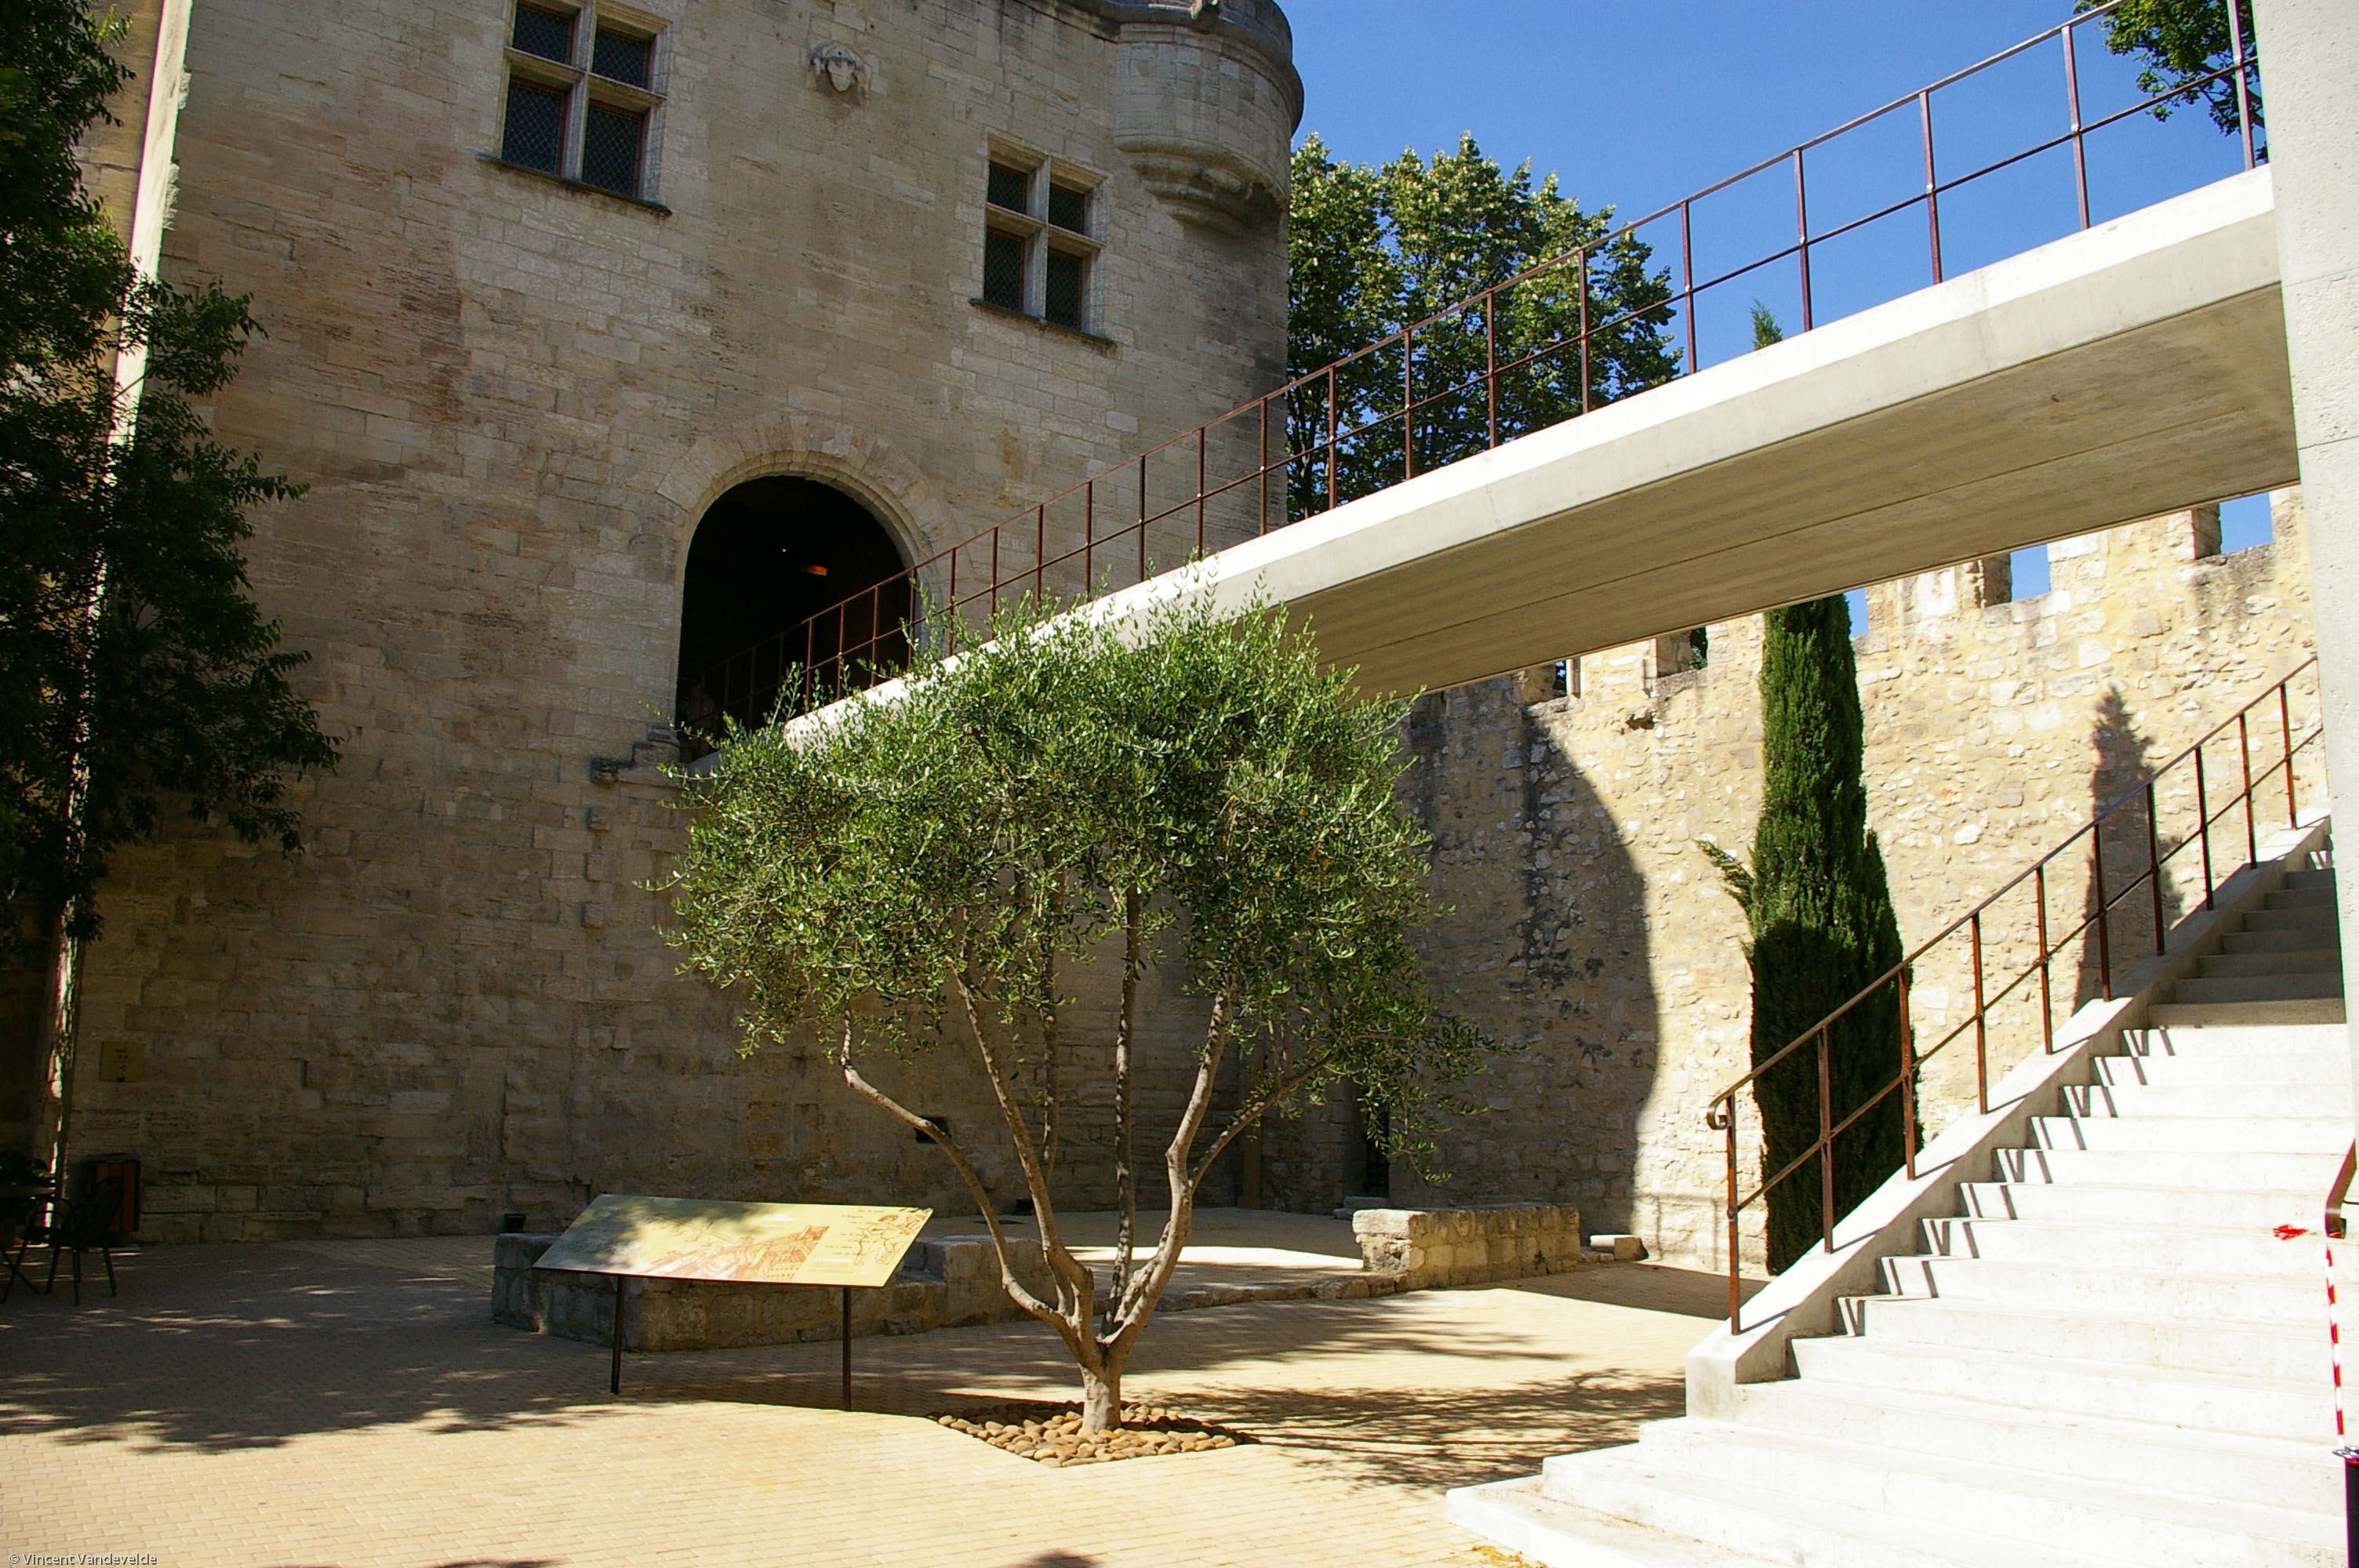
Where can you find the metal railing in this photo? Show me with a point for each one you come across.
(2139, 901)
(1529, 350)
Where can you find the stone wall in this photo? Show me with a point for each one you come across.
(512, 399)
(1589, 929)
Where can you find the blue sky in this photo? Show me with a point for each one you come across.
(1636, 105)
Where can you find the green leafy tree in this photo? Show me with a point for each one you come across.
(136, 675)
(929, 871)
(1821, 923)
(2182, 41)
(1374, 248)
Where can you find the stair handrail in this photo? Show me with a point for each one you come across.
(1014, 556)
(1720, 1114)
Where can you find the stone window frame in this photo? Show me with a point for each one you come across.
(1032, 228)
(582, 87)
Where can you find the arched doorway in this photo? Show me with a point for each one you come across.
(788, 581)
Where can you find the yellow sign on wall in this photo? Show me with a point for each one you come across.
(738, 1243)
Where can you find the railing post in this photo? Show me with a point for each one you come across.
(1803, 236)
(1261, 519)
(2285, 729)
(1907, 1082)
(1826, 1141)
(2154, 866)
(2245, 751)
(1982, 1024)
(1932, 183)
(994, 585)
(1686, 282)
(1580, 266)
(1408, 403)
(1201, 435)
(1331, 465)
(1142, 519)
(2079, 144)
(2244, 96)
(1089, 534)
(2204, 821)
(1491, 361)
(2046, 995)
(2105, 909)
(1736, 1294)
(1040, 552)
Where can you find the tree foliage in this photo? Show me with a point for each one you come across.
(1374, 248)
(1821, 920)
(930, 870)
(136, 674)
(2182, 42)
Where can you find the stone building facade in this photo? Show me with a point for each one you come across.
(516, 368)
(1590, 930)
(517, 394)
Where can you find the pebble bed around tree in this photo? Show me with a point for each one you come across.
(1051, 1434)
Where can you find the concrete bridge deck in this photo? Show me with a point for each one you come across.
(2133, 369)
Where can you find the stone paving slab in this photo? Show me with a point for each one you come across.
(350, 1404)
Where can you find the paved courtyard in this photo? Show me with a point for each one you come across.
(352, 1403)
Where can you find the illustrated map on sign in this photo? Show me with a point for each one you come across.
(739, 1243)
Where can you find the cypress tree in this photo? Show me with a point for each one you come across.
(1820, 917)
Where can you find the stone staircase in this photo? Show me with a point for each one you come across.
(2108, 1358)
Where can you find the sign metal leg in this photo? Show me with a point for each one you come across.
(615, 1376)
(847, 1347)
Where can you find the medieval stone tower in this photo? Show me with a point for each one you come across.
(607, 336)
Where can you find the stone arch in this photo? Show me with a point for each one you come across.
(868, 468)
(896, 493)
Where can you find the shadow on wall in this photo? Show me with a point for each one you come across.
(1544, 946)
(2130, 841)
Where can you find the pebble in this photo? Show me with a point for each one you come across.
(1052, 1436)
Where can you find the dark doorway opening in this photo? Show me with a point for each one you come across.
(794, 592)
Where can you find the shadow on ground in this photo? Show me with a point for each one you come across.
(230, 1347)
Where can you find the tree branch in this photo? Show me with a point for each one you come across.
(965, 1168)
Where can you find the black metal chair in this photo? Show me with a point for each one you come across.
(86, 1222)
(25, 1220)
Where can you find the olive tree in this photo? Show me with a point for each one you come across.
(933, 866)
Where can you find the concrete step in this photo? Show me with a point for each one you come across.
(2298, 1411)
(2260, 1040)
(2139, 1455)
(1747, 1522)
(2311, 919)
(2310, 877)
(2321, 1010)
(2286, 961)
(2195, 1134)
(2102, 1203)
(1536, 1527)
(2258, 988)
(2289, 1301)
(2302, 895)
(2231, 1100)
(2004, 1495)
(2222, 1068)
(2323, 940)
(2153, 1248)
(2239, 1170)
(1724, 1524)
(2279, 1352)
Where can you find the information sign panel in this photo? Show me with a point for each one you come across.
(737, 1243)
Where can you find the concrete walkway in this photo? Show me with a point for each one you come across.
(351, 1402)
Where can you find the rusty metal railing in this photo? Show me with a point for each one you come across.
(1527, 350)
(1964, 946)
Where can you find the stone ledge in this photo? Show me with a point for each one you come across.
(1427, 1249)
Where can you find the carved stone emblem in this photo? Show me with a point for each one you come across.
(842, 70)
